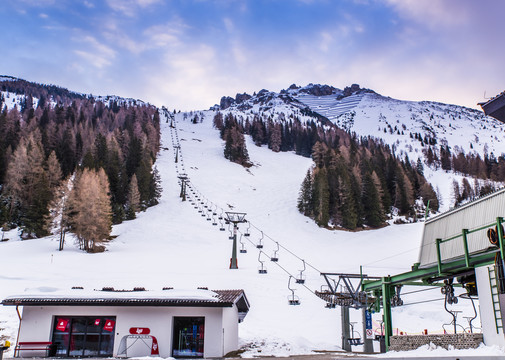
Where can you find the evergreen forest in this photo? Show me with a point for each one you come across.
(68, 160)
(354, 182)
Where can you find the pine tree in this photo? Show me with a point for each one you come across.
(305, 204)
(155, 188)
(373, 215)
(133, 202)
(321, 197)
(89, 210)
(53, 170)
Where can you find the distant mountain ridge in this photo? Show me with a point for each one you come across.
(404, 125)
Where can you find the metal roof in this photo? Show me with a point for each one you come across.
(474, 216)
(217, 298)
(495, 107)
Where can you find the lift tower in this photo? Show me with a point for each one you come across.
(184, 180)
(235, 218)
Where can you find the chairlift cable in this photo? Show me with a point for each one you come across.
(285, 248)
(421, 290)
(423, 301)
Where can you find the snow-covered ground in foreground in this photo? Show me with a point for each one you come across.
(173, 245)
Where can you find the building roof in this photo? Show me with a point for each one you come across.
(475, 217)
(495, 107)
(138, 297)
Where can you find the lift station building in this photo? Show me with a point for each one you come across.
(126, 323)
(462, 247)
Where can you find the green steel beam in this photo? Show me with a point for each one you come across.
(499, 221)
(439, 256)
(386, 306)
(382, 289)
(464, 232)
(452, 267)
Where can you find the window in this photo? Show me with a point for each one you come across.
(188, 336)
(84, 336)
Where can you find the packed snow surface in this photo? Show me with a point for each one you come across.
(173, 245)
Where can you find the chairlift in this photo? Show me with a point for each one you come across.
(354, 340)
(262, 269)
(214, 222)
(260, 244)
(301, 278)
(221, 215)
(231, 234)
(292, 299)
(243, 250)
(274, 257)
(247, 231)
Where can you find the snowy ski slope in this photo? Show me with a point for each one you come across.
(328, 105)
(172, 244)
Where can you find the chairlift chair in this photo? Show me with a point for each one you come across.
(243, 250)
(262, 269)
(301, 277)
(274, 257)
(260, 244)
(292, 299)
(354, 340)
(247, 231)
(231, 235)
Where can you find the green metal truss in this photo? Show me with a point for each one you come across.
(384, 289)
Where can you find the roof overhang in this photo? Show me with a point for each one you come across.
(495, 107)
(167, 298)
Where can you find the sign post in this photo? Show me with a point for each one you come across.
(368, 330)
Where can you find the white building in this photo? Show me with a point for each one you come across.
(108, 322)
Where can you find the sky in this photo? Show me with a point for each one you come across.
(187, 54)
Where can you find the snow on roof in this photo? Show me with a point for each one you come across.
(136, 297)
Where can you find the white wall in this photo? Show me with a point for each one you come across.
(37, 324)
(491, 337)
(230, 321)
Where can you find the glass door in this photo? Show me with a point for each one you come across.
(189, 333)
(84, 336)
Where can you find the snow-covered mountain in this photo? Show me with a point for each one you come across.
(408, 126)
(12, 93)
(172, 244)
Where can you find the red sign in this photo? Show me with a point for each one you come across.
(140, 331)
(97, 322)
(62, 324)
(109, 325)
(155, 350)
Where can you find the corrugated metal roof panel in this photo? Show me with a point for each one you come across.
(476, 214)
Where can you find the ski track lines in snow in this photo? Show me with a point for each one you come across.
(172, 245)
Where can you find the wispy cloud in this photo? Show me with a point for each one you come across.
(167, 34)
(438, 13)
(89, 4)
(98, 55)
(130, 7)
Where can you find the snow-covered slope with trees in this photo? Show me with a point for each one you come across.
(172, 244)
(450, 142)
